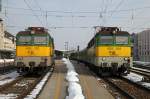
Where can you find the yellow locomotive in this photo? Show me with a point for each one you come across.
(34, 49)
(108, 52)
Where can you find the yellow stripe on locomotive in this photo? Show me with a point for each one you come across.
(34, 51)
(117, 51)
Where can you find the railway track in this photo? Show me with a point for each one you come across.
(21, 86)
(123, 88)
(143, 72)
(128, 89)
(147, 67)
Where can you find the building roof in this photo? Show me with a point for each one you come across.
(7, 34)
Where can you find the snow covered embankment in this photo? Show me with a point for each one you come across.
(74, 88)
(38, 87)
(137, 78)
(8, 77)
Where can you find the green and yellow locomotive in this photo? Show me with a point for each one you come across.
(109, 51)
(34, 49)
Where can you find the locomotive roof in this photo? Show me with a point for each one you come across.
(111, 33)
(29, 32)
(35, 30)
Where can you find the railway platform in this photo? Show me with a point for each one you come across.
(57, 85)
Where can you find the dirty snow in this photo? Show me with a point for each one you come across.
(6, 60)
(146, 84)
(74, 88)
(134, 77)
(8, 77)
(138, 79)
(38, 88)
(1, 61)
(9, 60)
(8, 96)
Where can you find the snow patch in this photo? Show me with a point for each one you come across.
(74, 88)
(75, 91)
(1, 61)
(134, 77)
(8, 77)
(38, 88)
(8, 96)
(146, 84)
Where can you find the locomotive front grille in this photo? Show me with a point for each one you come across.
(114, 65)
(20, 64)
(32, 64)
(105, 64)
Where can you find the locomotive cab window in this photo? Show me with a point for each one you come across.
(24, 39)
(121, 39)
(106, 40)
(40, 39)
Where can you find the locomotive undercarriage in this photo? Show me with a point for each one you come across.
(32, 65)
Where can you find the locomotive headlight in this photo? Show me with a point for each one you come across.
(125, 59)
(103, 58)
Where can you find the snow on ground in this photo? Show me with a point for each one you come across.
(134, 77)
(1, 61)
(74, 88)
(9, 60)
(38, 88)
(146, 84)
(8, 96)
(137, 78)
(8, 77)
(6, 60)
(72, 76)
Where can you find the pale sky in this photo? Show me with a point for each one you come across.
(73, 20)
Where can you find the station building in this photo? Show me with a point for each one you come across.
(141, 46)
(7, 42)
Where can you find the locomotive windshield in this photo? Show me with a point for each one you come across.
(40, 39)
(121, 39)
(24, 39)
(106, 40)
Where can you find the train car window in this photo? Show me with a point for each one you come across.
(40, 39)
(24, 39)
(106, 40)
(121, 39)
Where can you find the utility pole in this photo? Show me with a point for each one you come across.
(0, 5)
(66, 49)
(66, 46)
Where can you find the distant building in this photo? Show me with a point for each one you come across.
(134, 39)
(143, 43)
(7, 42)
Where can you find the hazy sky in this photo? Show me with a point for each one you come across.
(73, 20)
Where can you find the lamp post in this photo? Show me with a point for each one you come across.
(66, 49)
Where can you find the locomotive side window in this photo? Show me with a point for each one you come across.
(40, 40)
(121, 40)
(24, 39)
(106, 40)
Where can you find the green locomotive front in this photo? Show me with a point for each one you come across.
(109, 51)
(34, 49)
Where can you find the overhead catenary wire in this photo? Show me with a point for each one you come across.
(33, 11)
(36, 1)
(46, 13)
(118, 5)
(96, 12)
